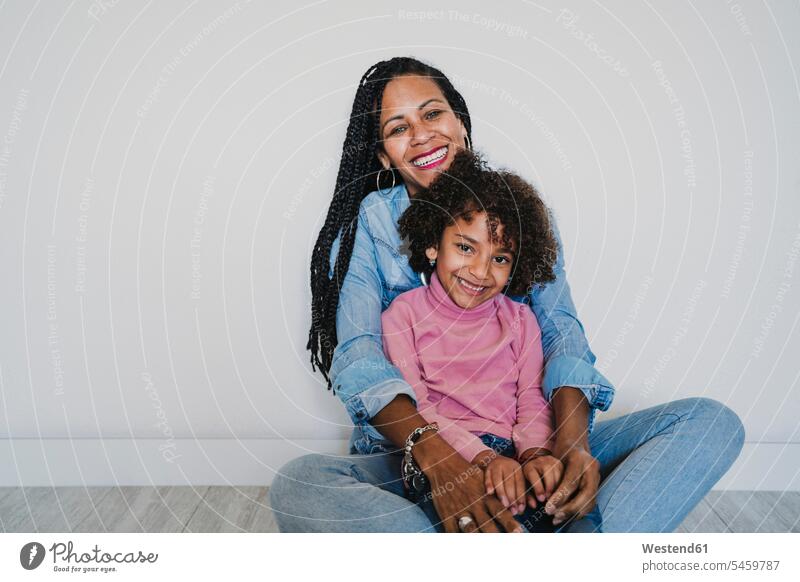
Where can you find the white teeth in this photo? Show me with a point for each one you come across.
(470, 287)
(437, 155)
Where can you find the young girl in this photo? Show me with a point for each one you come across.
(473, 355)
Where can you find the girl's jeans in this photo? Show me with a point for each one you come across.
(655, 467)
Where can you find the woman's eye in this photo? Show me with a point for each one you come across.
(397, 129)
(433, 114)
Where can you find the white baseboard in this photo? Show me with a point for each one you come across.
(152, 462)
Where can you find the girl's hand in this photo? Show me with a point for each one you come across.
(503, 477)
(544, 474)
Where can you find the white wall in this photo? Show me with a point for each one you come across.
(165, 169)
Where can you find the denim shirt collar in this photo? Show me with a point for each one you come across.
(399, 199)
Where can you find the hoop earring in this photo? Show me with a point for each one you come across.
(468, 142)
(378, 180)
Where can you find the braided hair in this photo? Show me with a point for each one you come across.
(359, 170)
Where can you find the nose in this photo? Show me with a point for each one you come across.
(420, 133)
(479, 268)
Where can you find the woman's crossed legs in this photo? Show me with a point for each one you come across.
(655, 465)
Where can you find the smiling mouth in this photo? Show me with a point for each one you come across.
(474, 289)
(431, 159)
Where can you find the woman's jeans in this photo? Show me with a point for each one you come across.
(655, 467)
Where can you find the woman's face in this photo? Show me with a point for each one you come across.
(471, 267)
(418, 130)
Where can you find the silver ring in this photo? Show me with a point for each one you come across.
(464, 521)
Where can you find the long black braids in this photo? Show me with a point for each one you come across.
(358, 169)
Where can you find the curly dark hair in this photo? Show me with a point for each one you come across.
(470, 186)
(358, 171)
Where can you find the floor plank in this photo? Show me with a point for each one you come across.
(264, 521)
(749, 511)
(702, 519)
(48, 509)
(144, 509)
(230, 509)
(237, 509)
(786, 507)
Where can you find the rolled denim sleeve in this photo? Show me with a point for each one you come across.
(568, 359)
(363, 379)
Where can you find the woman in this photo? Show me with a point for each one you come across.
(644, 471)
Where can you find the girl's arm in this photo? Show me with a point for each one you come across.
(533, 429)
(398, 343)
(568, 360)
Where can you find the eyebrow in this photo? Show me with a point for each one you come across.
(475, 242)
(400, 115)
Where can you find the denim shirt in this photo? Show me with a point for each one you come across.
(366, 381)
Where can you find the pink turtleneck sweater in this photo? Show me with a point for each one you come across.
(474, 371)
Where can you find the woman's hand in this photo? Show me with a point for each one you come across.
(457, 486)
(543, 473)
(576, 494)
(458, 489)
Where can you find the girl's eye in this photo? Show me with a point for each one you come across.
(502, 260)
(464, 248)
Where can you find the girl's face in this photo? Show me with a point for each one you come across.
(470, 267)
(418, 130)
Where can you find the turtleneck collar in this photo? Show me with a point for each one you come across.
(444, 305)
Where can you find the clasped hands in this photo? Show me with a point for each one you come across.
(535, 476)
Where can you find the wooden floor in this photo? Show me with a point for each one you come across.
(246, 509)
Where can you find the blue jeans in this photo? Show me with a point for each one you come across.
(655, 467)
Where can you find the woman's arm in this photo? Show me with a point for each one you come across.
(568, 359)
(533, 429)
(457, 486)
(575, 390)
(576, 494)
(363, 379)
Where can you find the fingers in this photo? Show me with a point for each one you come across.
(564, 491)
(488, 483)
(582, 503)
(500, 486)
(519, 496)
(532, 474)
(484, 520)
(498, 514)
(471, 527)
(552, 476)
(450, 525)
(510, 486)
